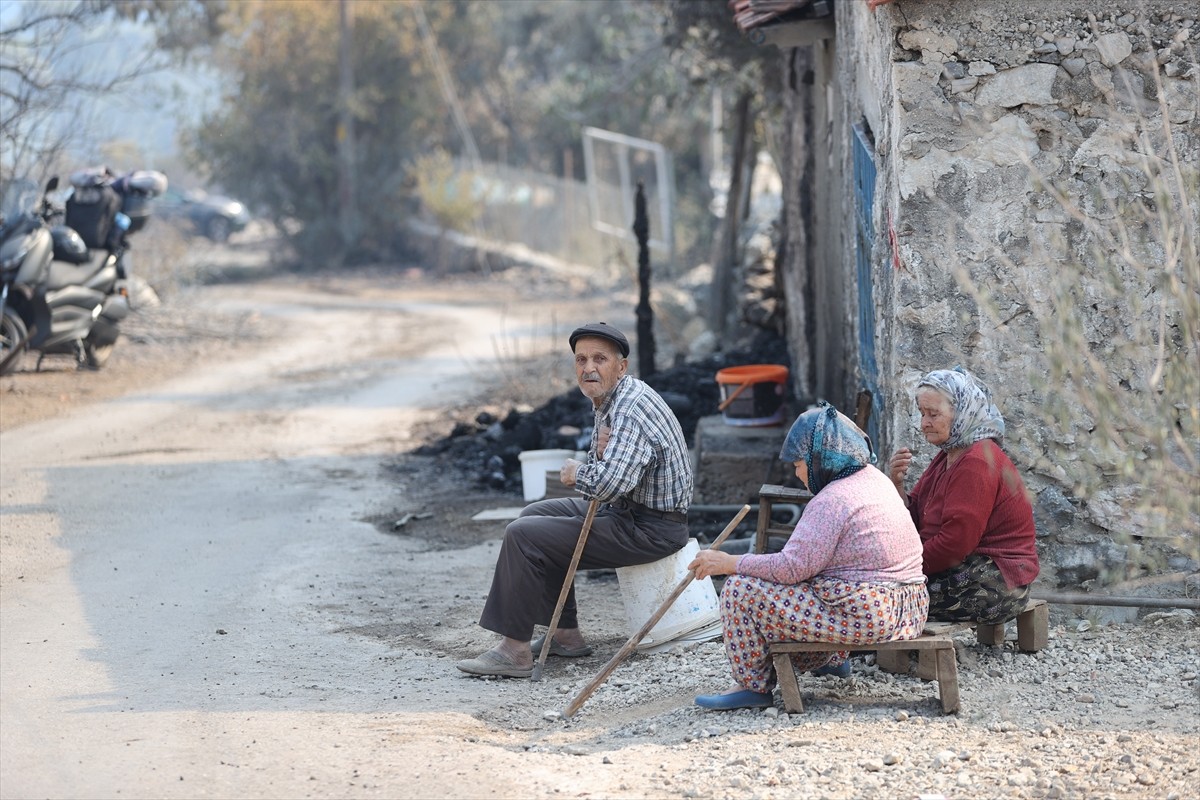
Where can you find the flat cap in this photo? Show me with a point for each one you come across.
(604, 331)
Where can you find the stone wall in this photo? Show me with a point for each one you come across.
(1037, 184)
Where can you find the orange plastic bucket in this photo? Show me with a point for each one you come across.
(752, 395)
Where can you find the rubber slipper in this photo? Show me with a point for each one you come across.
(557, 649)
(746, 698)
(492, 664)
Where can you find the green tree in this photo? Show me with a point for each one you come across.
(527, 77)
(273, 141)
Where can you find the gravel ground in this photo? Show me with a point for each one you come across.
(1100, 712)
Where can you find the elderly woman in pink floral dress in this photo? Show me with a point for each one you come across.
(850, 572)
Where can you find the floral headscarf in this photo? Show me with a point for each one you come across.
(975, 416)
(829, 444)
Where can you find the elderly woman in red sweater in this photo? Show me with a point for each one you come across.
(969, 506)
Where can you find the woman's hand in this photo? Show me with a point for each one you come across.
(898, 466)
(713, 562)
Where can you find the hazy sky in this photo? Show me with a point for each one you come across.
(148, 112)
(151, 111)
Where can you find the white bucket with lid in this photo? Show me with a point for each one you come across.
(645, 587)
(534, 466)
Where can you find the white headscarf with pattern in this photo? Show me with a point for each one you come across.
(975, 416)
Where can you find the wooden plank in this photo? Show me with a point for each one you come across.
(947, 678)
(507, 513)
(785, 35)
(784, 494)
(937, 627)
(893, 661)
(1033, 626)
(764, 523)
(925, 642)
(789, 688)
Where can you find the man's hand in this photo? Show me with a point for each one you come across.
(713, 562)
(567, 473)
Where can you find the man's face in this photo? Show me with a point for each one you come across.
(598, 366)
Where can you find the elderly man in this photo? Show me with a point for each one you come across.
(640, 471)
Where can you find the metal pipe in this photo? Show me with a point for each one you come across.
(1116, 600)
(791, 508)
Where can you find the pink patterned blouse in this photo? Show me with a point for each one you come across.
(856, 529)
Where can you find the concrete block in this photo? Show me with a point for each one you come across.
(732, 462)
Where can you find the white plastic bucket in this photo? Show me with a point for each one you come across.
(534, 466)
(644, 588)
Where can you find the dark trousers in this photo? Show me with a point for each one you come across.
(537, 551)
(974, 591)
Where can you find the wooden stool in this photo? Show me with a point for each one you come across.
(939, 646)
(1033, 624)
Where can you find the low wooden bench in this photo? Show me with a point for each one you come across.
(1033, 625)
(936, 660)
(939, 646)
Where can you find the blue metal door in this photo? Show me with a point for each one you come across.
(864, 241)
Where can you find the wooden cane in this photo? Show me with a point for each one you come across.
(566, 589)
(636, 639)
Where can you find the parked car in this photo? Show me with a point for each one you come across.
(211, 215)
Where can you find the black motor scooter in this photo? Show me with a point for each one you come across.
(64, 287)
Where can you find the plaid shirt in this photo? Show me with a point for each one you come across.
(646, 459)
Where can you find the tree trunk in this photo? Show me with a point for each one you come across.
(726, 247)
(645, 314)
(347, 180)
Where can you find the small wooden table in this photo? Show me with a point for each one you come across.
(768, 495)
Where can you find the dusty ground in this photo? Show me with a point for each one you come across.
(205, 593)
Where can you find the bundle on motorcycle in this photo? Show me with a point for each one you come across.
(98, 196)
(57, 296)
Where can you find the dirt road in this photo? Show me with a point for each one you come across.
(202, 595)
(185, 567)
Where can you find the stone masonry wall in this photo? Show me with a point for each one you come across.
(1024, 182)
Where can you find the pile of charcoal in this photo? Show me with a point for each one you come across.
(486, 449)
